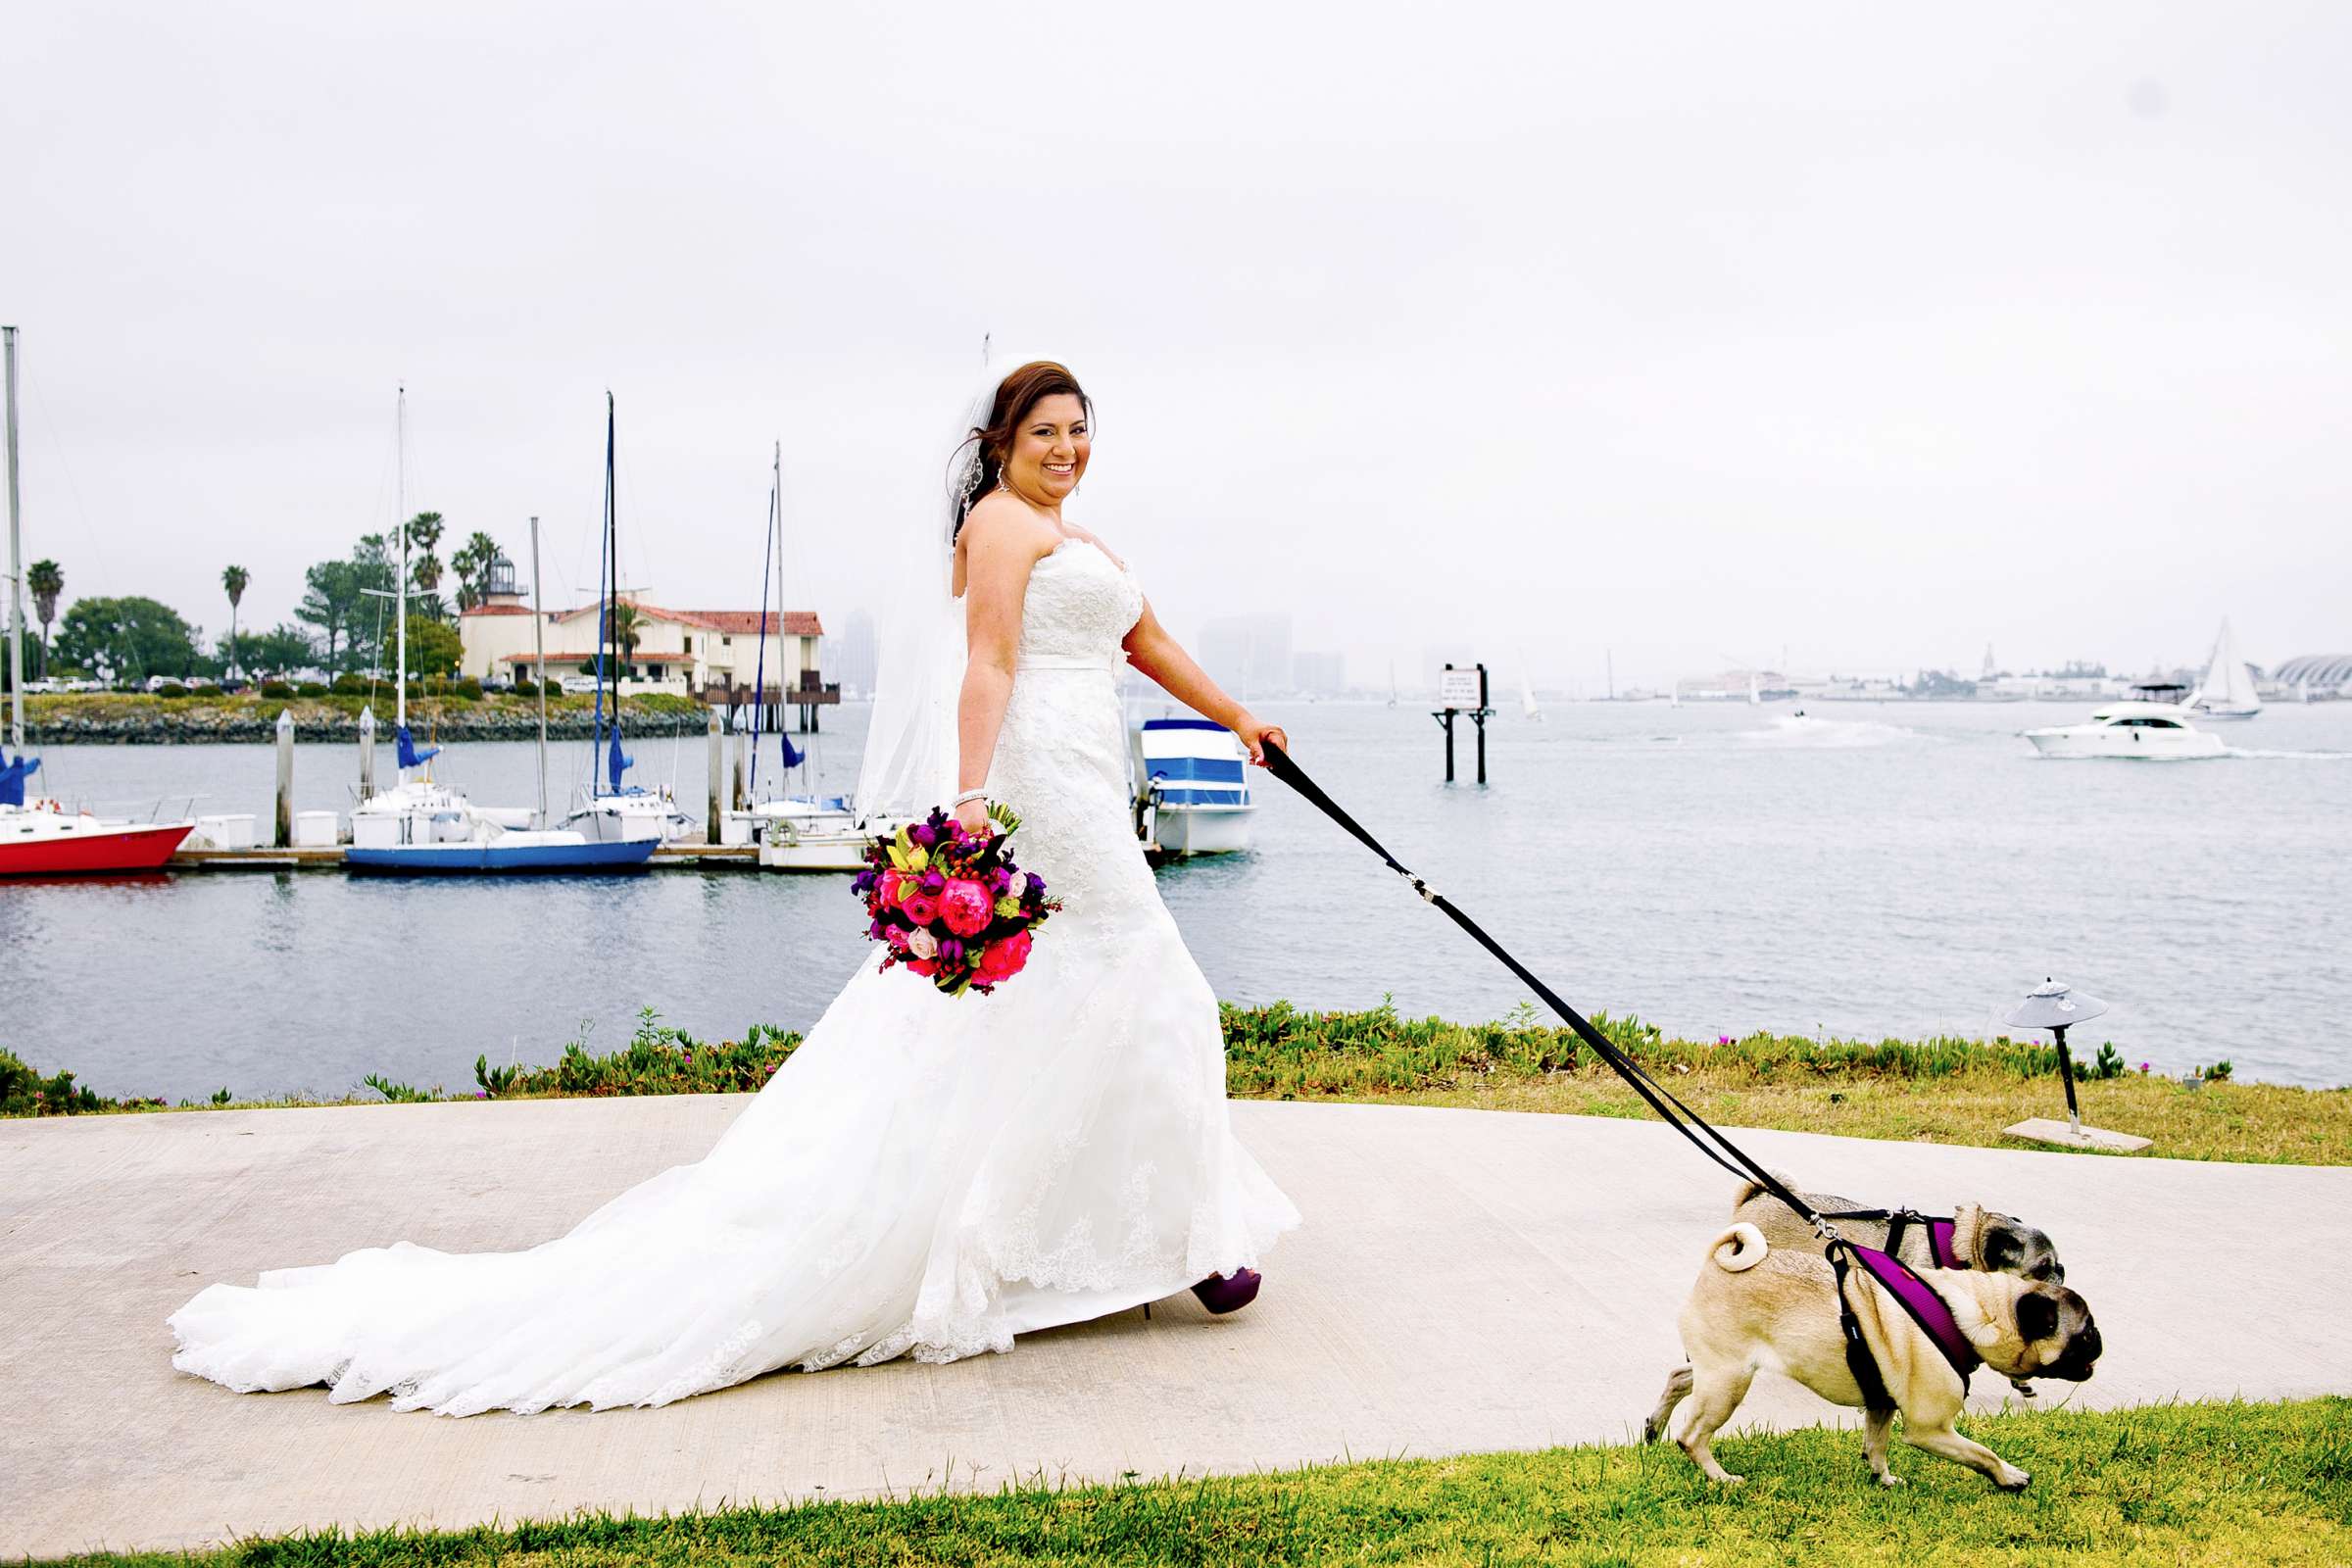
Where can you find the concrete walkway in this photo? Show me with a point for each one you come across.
(1465, 1281)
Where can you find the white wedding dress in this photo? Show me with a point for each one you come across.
(929, 1175)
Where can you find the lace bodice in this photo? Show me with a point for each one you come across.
(1079, 605)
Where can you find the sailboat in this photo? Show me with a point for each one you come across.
(423, 827)
(1755, 696)
(2227, 689)
(38, 836)
(613, 812)
(795, 832)
(1526, 697)
(1391, 683)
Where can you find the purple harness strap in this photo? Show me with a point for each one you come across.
(1940, 1244)
(1927, 1308)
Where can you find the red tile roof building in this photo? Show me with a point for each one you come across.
(698, 652)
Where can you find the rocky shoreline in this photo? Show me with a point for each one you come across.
(182, 722)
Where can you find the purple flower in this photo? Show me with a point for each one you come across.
(1723, 1040)
(923, 834)
(998, 878)
(951, 953)
(482, 1094)
(933, 881)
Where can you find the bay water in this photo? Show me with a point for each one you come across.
(1904, 870)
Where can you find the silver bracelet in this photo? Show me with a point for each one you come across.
(971, 794)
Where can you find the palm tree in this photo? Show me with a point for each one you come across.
(234, 580)
(46, 583)
(471, 563)
(627, 630)
(424, 568)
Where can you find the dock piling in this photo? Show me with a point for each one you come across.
(716, 746)
(367, 754)
(285, 779)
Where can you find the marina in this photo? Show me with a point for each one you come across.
(1905, 870)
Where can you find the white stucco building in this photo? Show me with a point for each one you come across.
(690, 652)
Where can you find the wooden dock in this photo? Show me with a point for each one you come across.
(669, 858)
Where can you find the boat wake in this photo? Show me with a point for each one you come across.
(2265, 753)
(1827, 734)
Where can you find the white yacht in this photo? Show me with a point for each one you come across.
(2144, 731)
(1190, 787)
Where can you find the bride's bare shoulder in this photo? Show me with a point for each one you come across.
(999, 522)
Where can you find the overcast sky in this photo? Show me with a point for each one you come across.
(1874, 333)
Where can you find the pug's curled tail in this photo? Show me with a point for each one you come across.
(1738, 1248)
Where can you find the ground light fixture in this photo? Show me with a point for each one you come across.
(2057, 1006)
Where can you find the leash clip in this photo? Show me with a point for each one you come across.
(1428, 894)
(1824, 1231)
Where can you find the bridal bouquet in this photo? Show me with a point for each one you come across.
(949, 902)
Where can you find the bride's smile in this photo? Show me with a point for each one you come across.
(1049, 452)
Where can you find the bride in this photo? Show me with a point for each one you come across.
(926, 1175)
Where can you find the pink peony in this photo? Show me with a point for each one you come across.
(922, 908)
(966, 907)
(923, 943)
(889, 888)
(1002, 958)
(898, 938)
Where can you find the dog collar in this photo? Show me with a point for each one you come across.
(1927, 1308)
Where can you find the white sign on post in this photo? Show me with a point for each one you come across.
(1462, 689)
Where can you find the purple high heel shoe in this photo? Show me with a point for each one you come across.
(1229, 1293)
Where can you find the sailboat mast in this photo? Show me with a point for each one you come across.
(400, 588)
(608, 577)
(16, 567)
(539, 658)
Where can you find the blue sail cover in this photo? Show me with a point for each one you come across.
(617, 761)
(405, 745)
(13, 776)
(792, 759)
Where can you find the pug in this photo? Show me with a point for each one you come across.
(1758, 1306)
(1998, 1244)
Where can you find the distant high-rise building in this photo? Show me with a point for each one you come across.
(1319, 674)
(855, 655)
(1247, 653)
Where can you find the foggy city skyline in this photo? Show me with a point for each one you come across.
(1591, 335)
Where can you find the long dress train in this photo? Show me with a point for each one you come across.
(926, 1175)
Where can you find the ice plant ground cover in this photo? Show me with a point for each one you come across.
(1948, 1090)
(2221, 1483)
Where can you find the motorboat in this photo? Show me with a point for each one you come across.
(2140, 731)
(1192, 797)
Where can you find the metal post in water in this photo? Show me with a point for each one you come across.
(716, 744)
(285, 778)
(368, 754)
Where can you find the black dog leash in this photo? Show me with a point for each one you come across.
(1889, 1272)
(1690, 1123)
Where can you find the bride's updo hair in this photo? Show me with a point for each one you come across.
(1017, 395)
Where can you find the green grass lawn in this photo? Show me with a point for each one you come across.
(1936, 1091)
(2194, 1483)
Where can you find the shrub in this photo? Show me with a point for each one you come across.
(469, 689)
(170, 690)
(349, 685)
(524, 686)
(311, 688)
(277, 688)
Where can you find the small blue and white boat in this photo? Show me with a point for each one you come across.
(1190, 787)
